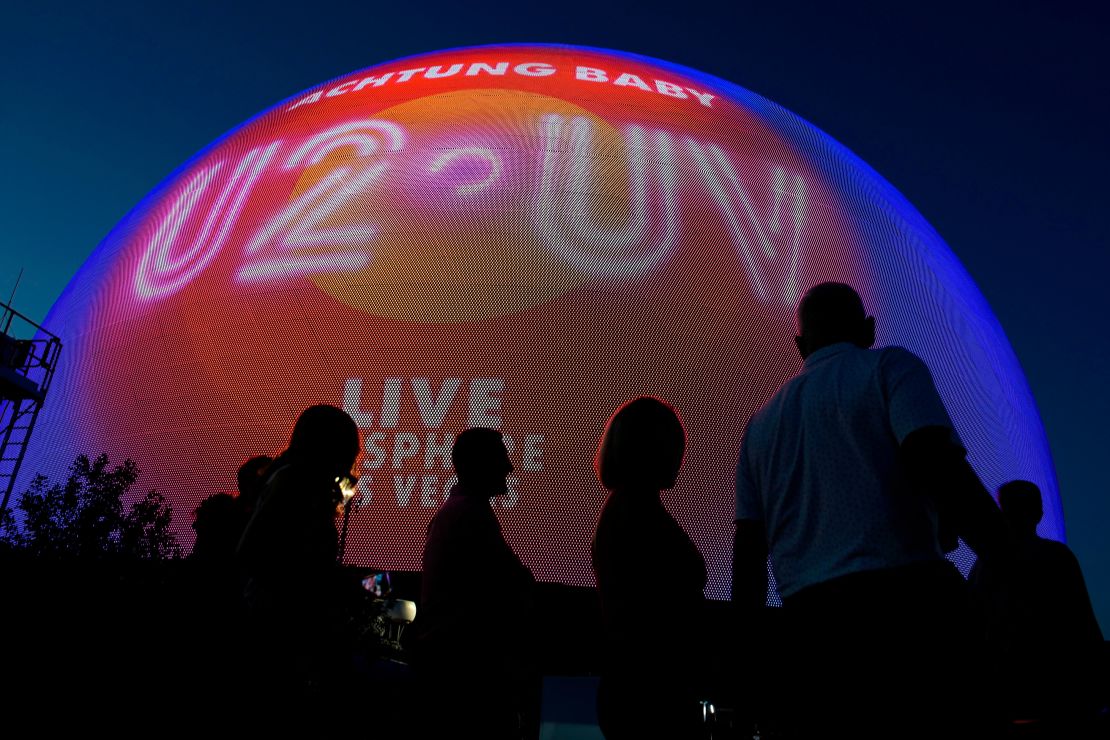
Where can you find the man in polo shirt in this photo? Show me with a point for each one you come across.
(842, 479)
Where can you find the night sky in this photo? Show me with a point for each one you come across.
(990, 118)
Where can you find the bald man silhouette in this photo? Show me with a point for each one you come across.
(843, 476)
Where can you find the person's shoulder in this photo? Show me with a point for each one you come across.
(896, 362)
(622, 516)
(1054, 550)
(768, 417)
(284, 476)
(474, 511)
(895, 355)
(770, 410)
(452, 507)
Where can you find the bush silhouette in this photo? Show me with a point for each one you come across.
(83, 517)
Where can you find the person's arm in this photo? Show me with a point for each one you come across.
(749, 564)
(934, 458)
(939, 468)
(749, 543)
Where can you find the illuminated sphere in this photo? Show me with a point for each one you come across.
(520, 237)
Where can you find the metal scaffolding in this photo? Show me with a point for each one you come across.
(27, 366)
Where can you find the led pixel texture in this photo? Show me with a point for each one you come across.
(520, 237)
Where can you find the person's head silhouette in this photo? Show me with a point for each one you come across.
(642, 446)
(481, 462)
(325, 438)
(251, 479)
(1020, 501)
(831, 313)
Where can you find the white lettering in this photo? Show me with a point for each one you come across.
(405, 445)
(373, 445)
(435, 73)
(403, 486)
(771, 248)
(304, 244)
(346, 87)
(391, 402)
(565, 215)
(534, 69)
(703, 98)
(667, 88)
(303, 221)
(631, 80)
(352, 400)
(469, 152)
(512, 493)
(305, 101)
(375, 81)
(433, 448)
(160, 271)
(366, 491)
(428, 486)
(432, 412)
(485, 401)
(407, 74)
(477, 67)
(363, 135)
(591, 74)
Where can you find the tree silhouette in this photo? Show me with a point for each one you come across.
(84, 516)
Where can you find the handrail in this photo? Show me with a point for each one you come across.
(10, 314)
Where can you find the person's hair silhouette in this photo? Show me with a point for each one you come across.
(251, 479)
(831, 313)
(1020, 501)
(642, 446)
(287, 560)
(640, 554)
(218, 523)
(325, 438)
(220, 520)
(481, 462)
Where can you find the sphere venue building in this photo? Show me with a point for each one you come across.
(520, 237)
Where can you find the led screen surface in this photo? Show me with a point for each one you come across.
(520, 237)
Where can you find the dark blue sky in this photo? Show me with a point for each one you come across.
(990, 118)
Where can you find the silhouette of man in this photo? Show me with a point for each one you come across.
(1037, 615)
(475, 596)
(841, 478)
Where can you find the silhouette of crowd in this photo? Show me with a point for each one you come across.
(852, 488)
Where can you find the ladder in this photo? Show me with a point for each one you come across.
(26, 370)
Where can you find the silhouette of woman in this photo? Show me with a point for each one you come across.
(647, 569)
(287, 555)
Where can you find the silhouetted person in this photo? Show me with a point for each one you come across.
(841, 479)
(213, 595)
(288, 559)
(220, 520)
(251, 481)
(650, 577)
(475, 598)
(1038, 618)
(218, 523)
